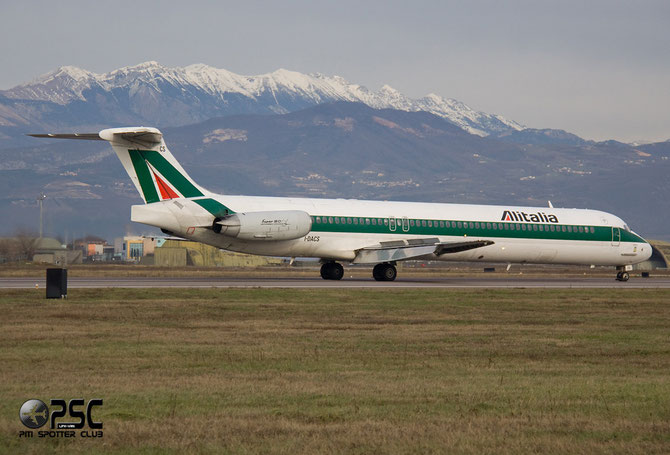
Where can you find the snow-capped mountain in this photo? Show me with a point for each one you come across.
(154, 94)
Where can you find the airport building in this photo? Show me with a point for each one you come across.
(180, 253)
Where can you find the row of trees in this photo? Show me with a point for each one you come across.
(20, 247)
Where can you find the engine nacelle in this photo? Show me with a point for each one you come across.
(271, 225)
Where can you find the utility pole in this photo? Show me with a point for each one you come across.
(41, 199)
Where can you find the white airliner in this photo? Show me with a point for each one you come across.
(362, 232)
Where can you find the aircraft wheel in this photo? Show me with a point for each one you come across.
(622, 276)
(332, 271)
(384, 272)
(377, 272)
(325, 269)
(337, 272)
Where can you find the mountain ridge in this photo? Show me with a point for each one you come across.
(346, 150)
(214, 92)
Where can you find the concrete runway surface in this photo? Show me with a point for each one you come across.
(316, 282)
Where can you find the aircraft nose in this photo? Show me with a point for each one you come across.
(646, 251)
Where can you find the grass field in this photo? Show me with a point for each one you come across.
(344, 371)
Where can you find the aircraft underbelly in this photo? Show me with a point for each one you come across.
(343, 247)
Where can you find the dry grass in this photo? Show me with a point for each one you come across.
(303, 371)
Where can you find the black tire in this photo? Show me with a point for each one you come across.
(377, 272)
(325, 270)
(332, 271)
(337, 271)
(625, 276)
(389, 272)
(384, 272)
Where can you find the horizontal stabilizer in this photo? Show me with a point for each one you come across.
(85, 136)
(140, 136)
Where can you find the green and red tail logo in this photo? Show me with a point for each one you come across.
(159, 179)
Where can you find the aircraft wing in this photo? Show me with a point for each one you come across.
(401, 250)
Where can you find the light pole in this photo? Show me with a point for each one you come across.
(41, 199)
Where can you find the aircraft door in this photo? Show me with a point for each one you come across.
(392, 225)
(616, 236)
(405, 224)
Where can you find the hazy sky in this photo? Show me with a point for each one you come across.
(600, 69)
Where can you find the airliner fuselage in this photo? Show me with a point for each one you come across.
(363, 232)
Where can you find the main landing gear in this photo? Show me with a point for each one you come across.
(332, 271)
(384, 272)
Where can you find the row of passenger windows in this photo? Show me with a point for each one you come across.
(403, 223)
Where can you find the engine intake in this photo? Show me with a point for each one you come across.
(268, 226)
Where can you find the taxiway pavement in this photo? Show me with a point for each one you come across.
(315, 282)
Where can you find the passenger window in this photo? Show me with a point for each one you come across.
(367, 221)
(411, 222)
(430, 224)
(593, 230)
(348, 220)
(423, 223)
(374, 221)
(355, 220)
(447, 224)
(523, 227)
(441, 224)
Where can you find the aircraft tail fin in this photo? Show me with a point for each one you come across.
(157, 175)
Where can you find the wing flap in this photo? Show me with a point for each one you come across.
(457, 247)
(375, 256)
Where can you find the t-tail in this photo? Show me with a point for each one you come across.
(155, 172)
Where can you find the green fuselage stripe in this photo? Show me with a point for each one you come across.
(471, 229)
(214, 207)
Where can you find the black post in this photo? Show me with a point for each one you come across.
(56, 283)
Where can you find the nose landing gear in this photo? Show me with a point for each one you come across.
(622, 272)
(622, 276)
